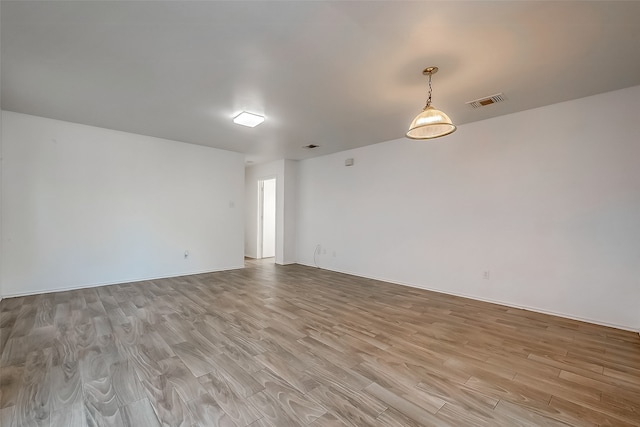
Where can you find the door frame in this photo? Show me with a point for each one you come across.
(260, 218)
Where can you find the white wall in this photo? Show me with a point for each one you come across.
(284, 171)
(1, 174)
(547, 200)
(268, 218)
(84, 206)
(290, 211)
(1, 221)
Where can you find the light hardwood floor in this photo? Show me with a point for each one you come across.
(293, 345)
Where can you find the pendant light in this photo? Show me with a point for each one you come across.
(430, 123)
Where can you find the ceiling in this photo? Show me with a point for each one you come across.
(337, 74)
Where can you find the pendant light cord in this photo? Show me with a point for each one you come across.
(430, 90)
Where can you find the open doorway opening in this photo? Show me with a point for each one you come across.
(267, 218)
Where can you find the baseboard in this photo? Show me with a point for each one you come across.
(277, 263)
(497, 302)
(118, 282)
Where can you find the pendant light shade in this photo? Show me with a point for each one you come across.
(430, 123)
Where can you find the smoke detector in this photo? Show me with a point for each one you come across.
(487, 100)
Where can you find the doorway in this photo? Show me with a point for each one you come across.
(267, 218)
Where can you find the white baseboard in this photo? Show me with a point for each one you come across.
(118, 282)
(278, 263)
(503, 303)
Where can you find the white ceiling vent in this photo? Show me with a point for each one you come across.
(488, 100)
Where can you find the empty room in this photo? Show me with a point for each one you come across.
(319, 213)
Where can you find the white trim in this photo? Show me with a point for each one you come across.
(502, 303)
(260, 228)
(95, 285)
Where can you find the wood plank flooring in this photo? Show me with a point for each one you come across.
(292, 345)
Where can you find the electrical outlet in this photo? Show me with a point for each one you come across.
(486, 275)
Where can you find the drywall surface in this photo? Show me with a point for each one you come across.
(284, 173)
(1, 197)
(290, 211)
(538, 209)
(1, 174)
(84, 206)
